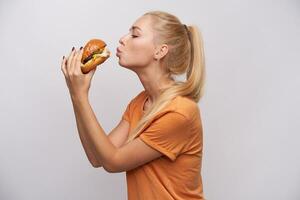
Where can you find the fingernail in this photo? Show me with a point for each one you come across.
(81, 48)
(73, 48)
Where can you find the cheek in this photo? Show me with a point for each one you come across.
(140, 52)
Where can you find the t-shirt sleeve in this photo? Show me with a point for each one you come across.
(130, 107)
(168, 134)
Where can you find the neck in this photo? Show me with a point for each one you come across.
(153, 84)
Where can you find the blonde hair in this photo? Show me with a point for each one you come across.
(186, 55)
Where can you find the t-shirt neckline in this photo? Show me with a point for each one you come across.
(143, 103)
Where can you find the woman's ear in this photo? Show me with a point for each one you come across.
(161, 51)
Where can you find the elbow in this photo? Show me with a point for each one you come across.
(96, 165)
(114, 169)
(110, 169)
(111, 166)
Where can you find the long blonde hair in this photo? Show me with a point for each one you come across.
(186, 55)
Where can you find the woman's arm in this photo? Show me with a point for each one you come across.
(117, 136)
(86, 143)
(113, 159)
(96, 143)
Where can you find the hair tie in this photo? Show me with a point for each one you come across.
(191, 42)
(185, 26)
(188, 32)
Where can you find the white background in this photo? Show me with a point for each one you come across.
(250, 111)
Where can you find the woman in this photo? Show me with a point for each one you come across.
(158, 141)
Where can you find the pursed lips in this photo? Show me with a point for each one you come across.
(118, 50)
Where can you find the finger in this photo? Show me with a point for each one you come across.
(69, 60)
(73, 54)
(63, 66)
(73, 62)
(77, 61)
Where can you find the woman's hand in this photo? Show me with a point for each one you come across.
(77, 82)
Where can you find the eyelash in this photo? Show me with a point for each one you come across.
(134, 36)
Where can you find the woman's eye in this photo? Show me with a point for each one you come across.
(134, 36)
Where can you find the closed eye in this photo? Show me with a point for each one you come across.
(134, 36)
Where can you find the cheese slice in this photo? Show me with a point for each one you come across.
(105, 53)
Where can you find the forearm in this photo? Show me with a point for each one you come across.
(87, 145)
(91, 131)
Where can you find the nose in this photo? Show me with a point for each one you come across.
(122, 39)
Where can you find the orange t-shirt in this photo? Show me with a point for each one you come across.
(176, 132)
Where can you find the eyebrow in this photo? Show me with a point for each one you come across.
(135, 27)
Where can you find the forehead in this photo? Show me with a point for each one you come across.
(142, 24)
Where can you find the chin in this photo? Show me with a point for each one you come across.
(122, 64)
(131, 64)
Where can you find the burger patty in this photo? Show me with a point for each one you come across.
(91, 56)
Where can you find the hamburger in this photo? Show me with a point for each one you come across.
(94, 53)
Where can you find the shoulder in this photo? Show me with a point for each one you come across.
(185, 106)
(137, 97)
